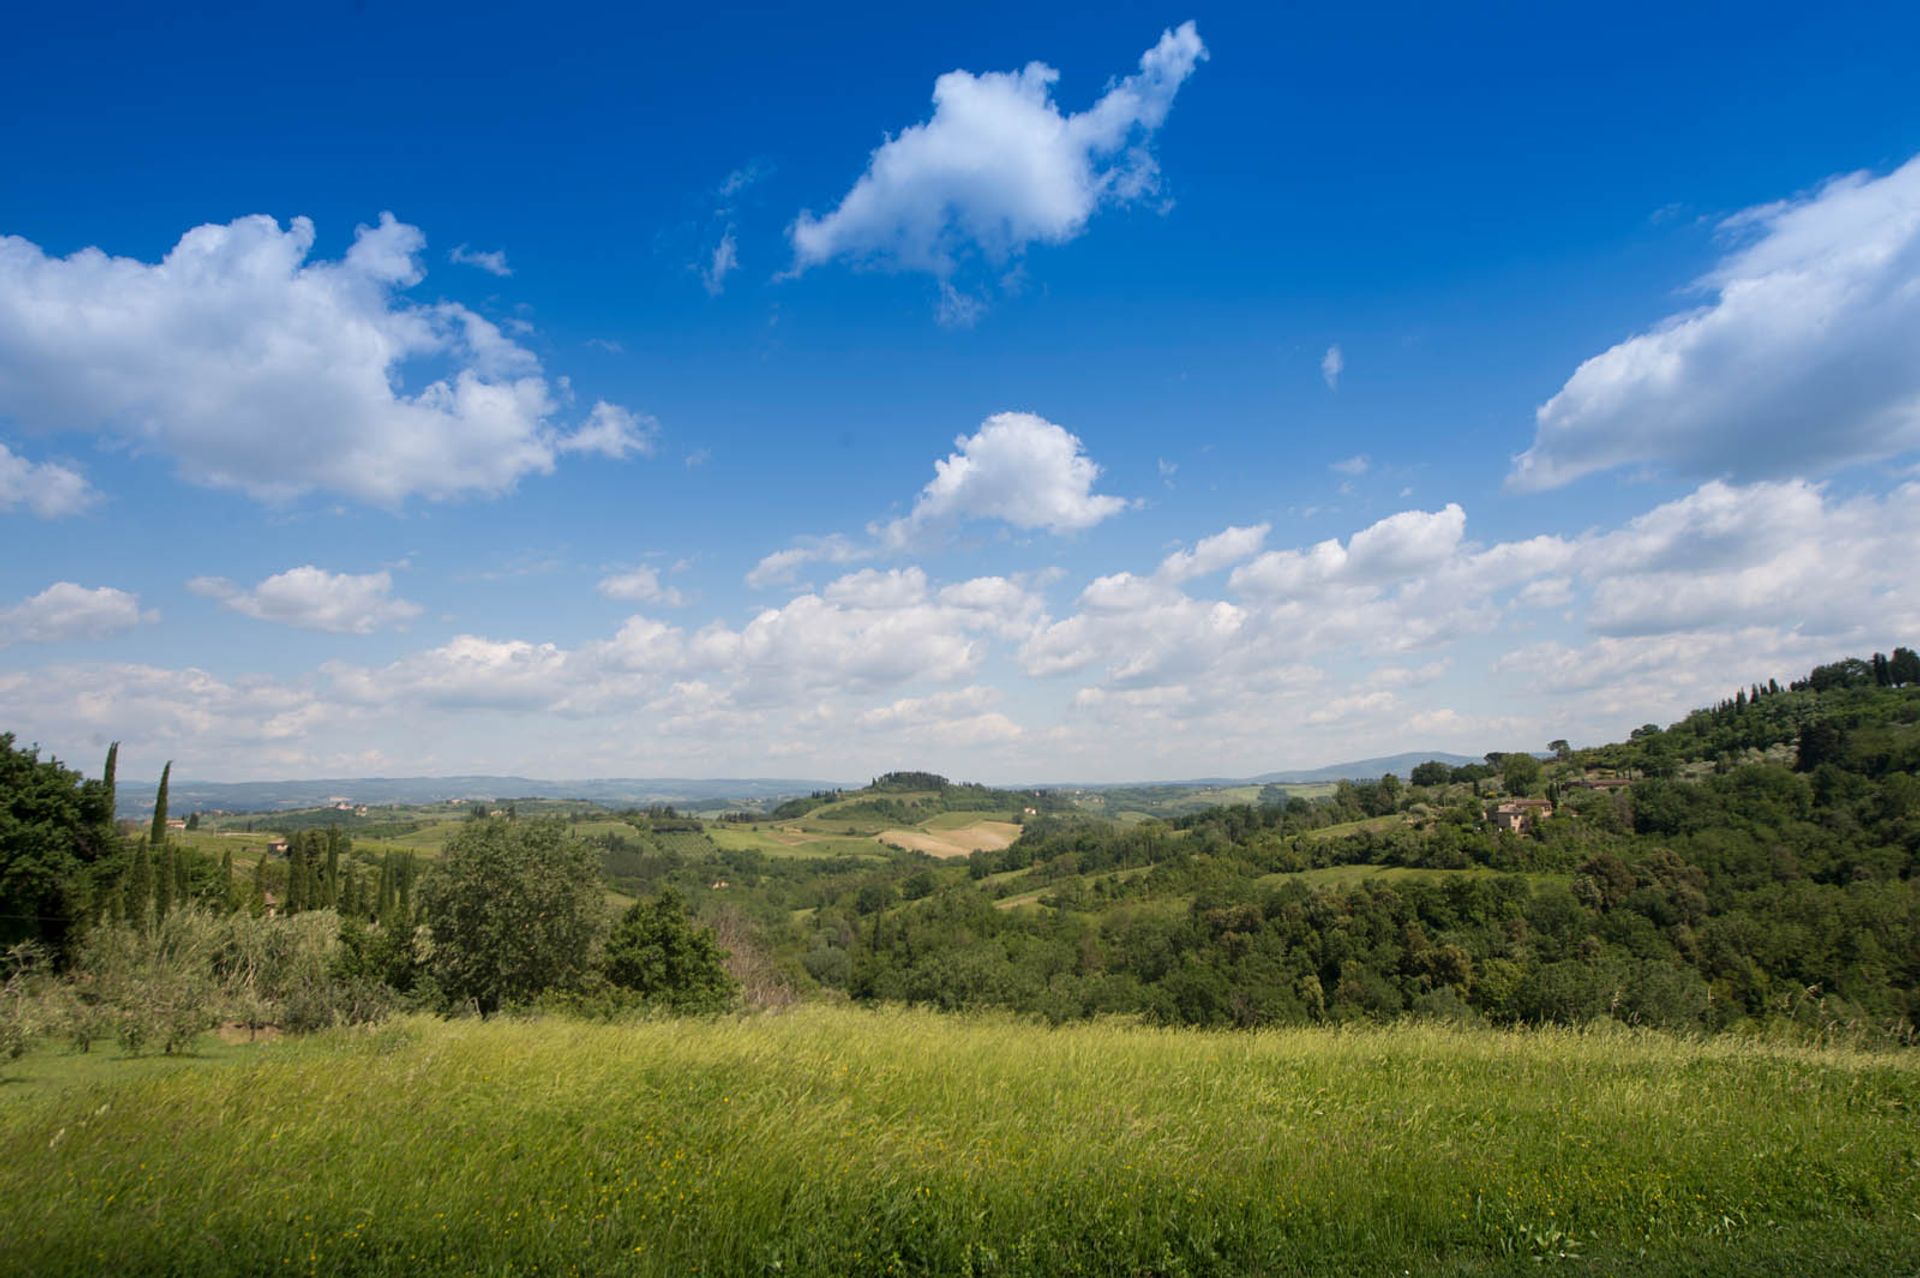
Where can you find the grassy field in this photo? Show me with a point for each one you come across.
(1346, 876)
(835, 1141)
(788, 841)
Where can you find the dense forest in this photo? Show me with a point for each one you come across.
(1755, 865)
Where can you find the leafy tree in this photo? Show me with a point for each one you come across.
(660, 954)
(54, 826)
(1432, 772)
(515, 909)
(1520, 773)
(1561, 749)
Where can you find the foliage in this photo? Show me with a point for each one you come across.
(515, 909)
(56, 832)
(659, 954)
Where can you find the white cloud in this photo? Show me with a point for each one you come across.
(640, 585)
(47, 489)
(311, 598)
(1332, 364)
(1394, 549)
(872, 588)
(726, 257)
(962, 717)
(467, 672)
(1355, 466)
(1018, 468)
(1211, 554)
(257, 369)
(67, 611)
(998, 167)
(612, 431)
(493, 262)
(783, 565)
(1806, 359)
(1780, 555)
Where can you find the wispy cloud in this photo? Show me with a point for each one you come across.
(493, 261)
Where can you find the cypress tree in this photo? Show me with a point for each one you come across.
(159, 833)
(296, 877)
(260, 884)
(107, 775)
(140, 886)
(163, 886)
(229, 894)
(330, 891)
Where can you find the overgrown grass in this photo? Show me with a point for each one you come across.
(835, 1141)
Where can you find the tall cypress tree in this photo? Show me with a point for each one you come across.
(330, 891)
(107, 775)
(163, 886)
(140, 886)
(296, 886)
(229, 891)
(159, 833)
(260, 883)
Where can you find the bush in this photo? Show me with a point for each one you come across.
(657, 952)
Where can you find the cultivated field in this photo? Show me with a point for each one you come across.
(834, 1141)
(946, 838)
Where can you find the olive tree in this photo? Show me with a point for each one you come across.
(515, 909)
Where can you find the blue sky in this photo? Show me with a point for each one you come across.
(702, 398)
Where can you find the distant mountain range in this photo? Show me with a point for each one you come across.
(1365, 769)
(1354, 770)
(269, 796)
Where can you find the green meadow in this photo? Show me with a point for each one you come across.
(832, 1140)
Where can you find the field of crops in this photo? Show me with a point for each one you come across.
(833, 1141)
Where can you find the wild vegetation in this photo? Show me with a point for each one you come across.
(834, 1141)
(1645, 1006)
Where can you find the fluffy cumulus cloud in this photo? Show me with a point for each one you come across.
(1017, 468)
(258, 369)
(312, 598)
(1225, 655)
(962, 717)
(998, 167)
(866, 633)
(612, 431)
(640, 585)
(1211, 554)
(1804, 358)
(46, 489)
(65, 611)
(246, 726)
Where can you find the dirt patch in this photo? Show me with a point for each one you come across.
(987, 836)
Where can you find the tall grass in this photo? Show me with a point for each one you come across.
(832, 1141)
